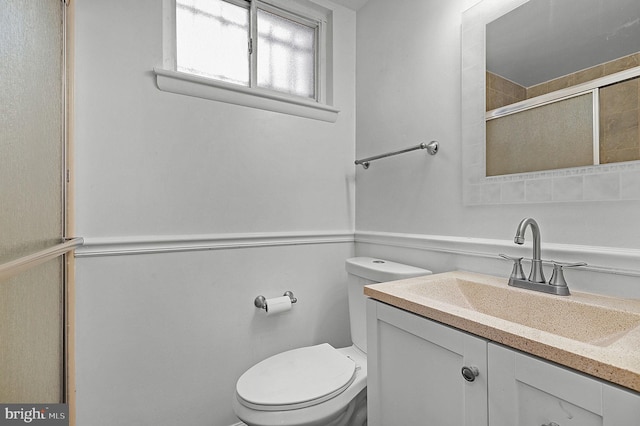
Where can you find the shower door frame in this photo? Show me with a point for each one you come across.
(69, 377)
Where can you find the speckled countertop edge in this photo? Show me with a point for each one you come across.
(618, 362)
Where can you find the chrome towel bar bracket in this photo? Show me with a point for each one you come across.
(431, 147)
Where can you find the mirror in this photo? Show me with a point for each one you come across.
(576, 65)
(545, 45)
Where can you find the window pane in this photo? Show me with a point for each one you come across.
(212, 39)
(286, 55)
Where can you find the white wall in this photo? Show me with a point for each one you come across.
(408, 91)
(172, 164)
(162, 337)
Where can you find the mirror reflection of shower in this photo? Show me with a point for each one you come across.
(539, 57)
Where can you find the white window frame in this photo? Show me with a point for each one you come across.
(170, 80)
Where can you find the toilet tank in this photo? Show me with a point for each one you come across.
(367, 270)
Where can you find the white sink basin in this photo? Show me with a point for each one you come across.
(565, 316)
(595, 334)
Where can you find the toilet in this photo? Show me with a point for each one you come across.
(319, 385)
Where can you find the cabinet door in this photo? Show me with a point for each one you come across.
(414, 371)
(527, 391)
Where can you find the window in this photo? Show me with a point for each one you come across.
(212, 39)
(286, 54)
(252, 44)
(252, 53)
(215, 38)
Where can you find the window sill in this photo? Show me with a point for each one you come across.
(206, 88)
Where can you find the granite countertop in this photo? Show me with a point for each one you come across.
(594, 334)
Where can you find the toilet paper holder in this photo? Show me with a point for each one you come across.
(261, 301)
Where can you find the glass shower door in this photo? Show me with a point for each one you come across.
(32, 199)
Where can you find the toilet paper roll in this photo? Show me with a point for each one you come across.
(278, 305)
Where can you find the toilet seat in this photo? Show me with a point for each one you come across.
(296, 379)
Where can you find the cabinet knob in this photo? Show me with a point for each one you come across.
(470, 374)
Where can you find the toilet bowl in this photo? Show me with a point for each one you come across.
(319, 385)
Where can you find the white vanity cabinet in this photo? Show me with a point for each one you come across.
(525, 390)
(414, 371)
(414, 378)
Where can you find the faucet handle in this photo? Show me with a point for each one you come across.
(557, 278)
(517, 272)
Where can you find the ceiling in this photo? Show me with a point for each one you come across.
(351, 4)
(546, 39)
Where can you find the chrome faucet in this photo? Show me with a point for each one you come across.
(536, 281)
(536, 275)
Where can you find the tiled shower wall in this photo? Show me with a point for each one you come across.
(619, 118)
(583, 76)
(501, 92)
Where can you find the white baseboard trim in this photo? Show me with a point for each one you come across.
(120, 246)
(609, 260)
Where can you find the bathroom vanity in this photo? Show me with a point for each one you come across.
(466, 349)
